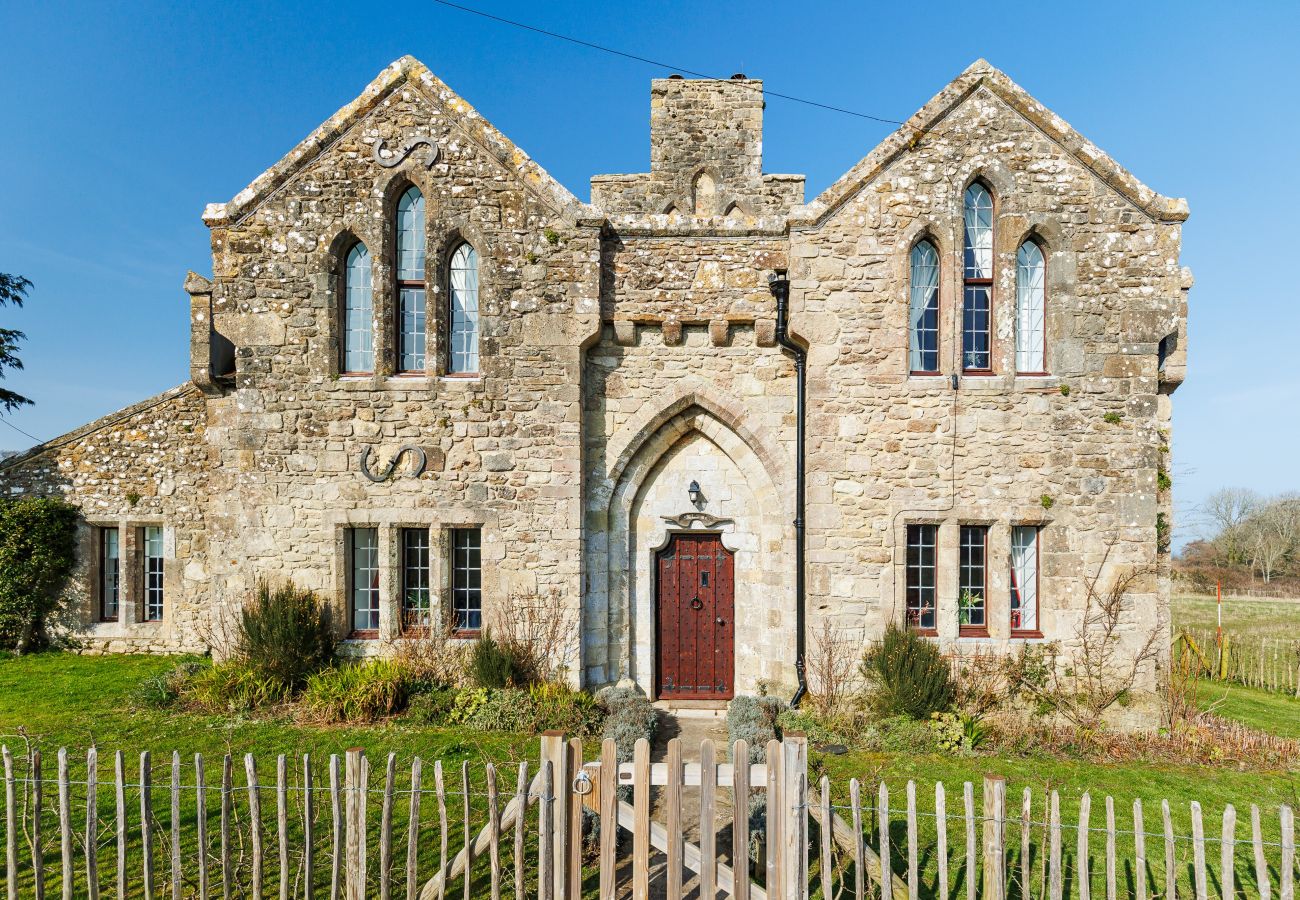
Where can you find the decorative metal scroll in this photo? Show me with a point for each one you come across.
(420, 462)
(691, 519)
(407, 149)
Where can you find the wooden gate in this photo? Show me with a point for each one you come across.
(694, 607)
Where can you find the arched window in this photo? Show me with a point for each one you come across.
(462, 343)
(1031, 340)
(410, 282)
(977, 281)
(923, 311)
(358, 332)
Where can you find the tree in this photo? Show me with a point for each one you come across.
(1228, 510)
(13, 289)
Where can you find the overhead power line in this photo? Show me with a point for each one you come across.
(20, 431)
(658, 64)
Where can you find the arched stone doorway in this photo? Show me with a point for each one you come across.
(739, 506)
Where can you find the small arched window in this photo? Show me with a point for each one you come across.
(462, 343)
(923, 311)
(410, 282)
(358, 332)
(1031, 336)
(977, 281)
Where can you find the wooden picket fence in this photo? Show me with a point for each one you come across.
(1267, 663)
(294, 832)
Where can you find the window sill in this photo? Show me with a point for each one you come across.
(466, 634)
(363, 635)
(972, 631)
(977, 373)
(926, 632)
(1026, 635)
(461, 376)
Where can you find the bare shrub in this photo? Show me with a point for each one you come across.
(432, 655)
(540, 633)
(831, 670)
(1100, 670)
(981, 681)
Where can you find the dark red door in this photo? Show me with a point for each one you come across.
(695, 600)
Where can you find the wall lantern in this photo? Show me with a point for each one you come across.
(694, 492)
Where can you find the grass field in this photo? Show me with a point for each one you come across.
(1244, 616)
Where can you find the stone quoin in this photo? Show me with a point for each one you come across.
(431, 384)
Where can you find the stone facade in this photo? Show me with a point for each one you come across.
(628, 349)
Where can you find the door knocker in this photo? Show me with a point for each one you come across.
(697, 604)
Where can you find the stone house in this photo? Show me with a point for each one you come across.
(703, 416)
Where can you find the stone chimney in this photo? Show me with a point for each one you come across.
(706, 156)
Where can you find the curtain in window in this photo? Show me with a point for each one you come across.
(358, 313)
(923, 312)
(463, 345)
(1029, 309)
(1024, 578)
(410, 281)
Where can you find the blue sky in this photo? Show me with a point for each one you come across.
(124, 119)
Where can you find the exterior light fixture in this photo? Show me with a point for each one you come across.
(694, 492)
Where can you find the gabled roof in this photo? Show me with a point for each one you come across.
(981, 74)
(405, 71)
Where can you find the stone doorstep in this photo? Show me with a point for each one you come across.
(693, 709)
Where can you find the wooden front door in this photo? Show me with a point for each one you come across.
(694, 603)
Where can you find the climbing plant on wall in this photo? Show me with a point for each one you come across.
(37, 552)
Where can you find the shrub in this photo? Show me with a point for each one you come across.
(504, 709)
(233, 686)
(956, 732)
(537, 631)
(753, 719)
(164, 689)
(286, 633)
(434, 658)
(38, 539)
(629, 716)
(356, 692)
(558, 707)
(492, 665)
(431, 706)
(907, 674)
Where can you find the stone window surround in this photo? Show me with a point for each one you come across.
(997, 599)
(390, 524)
(131, 599)
(1012, 227)
(443, 235)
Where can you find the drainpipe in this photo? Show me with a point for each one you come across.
(780, 286)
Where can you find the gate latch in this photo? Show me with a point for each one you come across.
(582, 783)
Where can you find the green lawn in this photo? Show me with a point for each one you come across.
(74, 701)
(61, 699)
(1243, 616)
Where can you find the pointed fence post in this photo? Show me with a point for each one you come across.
(995, 801)
(354, 867)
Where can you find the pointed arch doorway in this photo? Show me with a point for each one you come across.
(695, 604)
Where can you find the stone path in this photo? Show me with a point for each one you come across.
(691, 731)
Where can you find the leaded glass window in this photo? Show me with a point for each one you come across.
(153, 572)
(410, 282)
(466, 579)
(977, 288)
(110, 559)
(1030, 309)
(923, 310)
(921, 575)
(973, 579)
(358, 312)
(463, 334)
(416, 606)
(1024, 578)
(363, 579)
